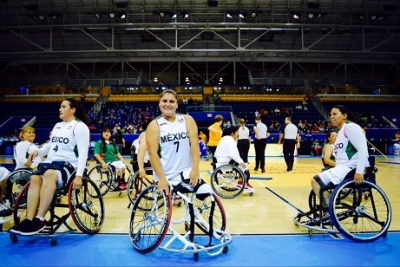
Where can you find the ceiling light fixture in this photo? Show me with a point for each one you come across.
(121, 15)
(229, 14)
(184, 14)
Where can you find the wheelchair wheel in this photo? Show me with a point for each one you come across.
(228, 181)
(203, 207)
(148, 227)
(364, 214)
(102, 178)
(16, 181)
(20, 204)
(86, 206)
(137, 184)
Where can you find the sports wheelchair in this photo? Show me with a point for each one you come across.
(359, 212)
(137, 184)
(85, 205)
(106, 180)
(228, 180)
(16, 180)
(151, 219)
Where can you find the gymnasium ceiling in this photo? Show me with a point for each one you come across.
(358, 31)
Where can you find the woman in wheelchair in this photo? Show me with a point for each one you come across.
(26, 147)
(228, 153)
(21, 153)
(350, 151)
(328, 159)
(69, 142)
(172, 143)
(106, 152)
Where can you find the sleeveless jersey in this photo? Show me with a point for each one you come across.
(63, 146)
(174, 146)
(332, 156)
(344, 152)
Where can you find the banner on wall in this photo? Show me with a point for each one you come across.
(271, 150)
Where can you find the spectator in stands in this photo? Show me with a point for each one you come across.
(396, 145)
(277, 111)
(119, 141)
(83, 96)
(244, 140)
(397, 136)
(316, 148)
(215, 133)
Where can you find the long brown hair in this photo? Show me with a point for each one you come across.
(80, 112)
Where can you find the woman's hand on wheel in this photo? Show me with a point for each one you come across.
(77, 183)
(163, 186)
(142, 173)
(358, 178)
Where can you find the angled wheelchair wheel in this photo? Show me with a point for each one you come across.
(102, 178)
(360, 212)
(136, 184)
(228, 181)
(20, 204)
(148, 227)
(86, 206)
(16, 181)
(203, 207)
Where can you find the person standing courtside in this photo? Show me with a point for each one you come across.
(260, 142)
(215, 133)
(290, 138)
(244, 140)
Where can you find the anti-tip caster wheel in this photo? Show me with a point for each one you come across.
(225, 250)
(53, 242)
(251, 194)
(13, 238)
(196, 256)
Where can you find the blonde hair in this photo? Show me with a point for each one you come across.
(242, 122)
(24, 130)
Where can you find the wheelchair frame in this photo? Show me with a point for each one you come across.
(105, 183)
(81, 203)
(352, 208)
(136, 184)
(229, 181)
(156, 217)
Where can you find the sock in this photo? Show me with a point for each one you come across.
(40, 218)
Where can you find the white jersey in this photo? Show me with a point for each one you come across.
(345, 152)
(174, 146)
(21, 153)
(69, 142)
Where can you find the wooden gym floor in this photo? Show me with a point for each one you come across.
(275, 202)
